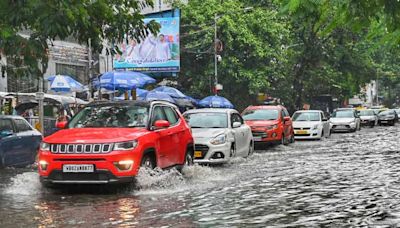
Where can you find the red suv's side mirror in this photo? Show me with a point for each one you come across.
(160, 124)
(286, 118)
(61, 125)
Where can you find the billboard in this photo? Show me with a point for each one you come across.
(158, 53)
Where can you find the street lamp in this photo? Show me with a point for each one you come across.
(217, 58)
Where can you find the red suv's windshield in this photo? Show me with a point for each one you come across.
(261, 114)
(111, 116)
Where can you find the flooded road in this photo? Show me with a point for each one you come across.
(347, 180)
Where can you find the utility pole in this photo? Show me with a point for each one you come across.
(40, 98)
(90, 67)
(215, 55)
(376, 85)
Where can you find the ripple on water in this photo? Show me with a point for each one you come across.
(24, 184)
(159, 181)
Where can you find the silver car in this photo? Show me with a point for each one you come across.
(345, 120)
(219, 135)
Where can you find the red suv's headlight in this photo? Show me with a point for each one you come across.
(130, 145)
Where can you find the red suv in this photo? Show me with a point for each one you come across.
(269, 124)
(108, 143)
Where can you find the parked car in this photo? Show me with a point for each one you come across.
(310, 124)
(345, 120)
(388, 117)
(219, 134)
(368, 117)
(19, 141)
(269, 124)
(107, 142)
(397, 110)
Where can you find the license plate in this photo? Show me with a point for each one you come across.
(78, 168)
(301, 132)
(257, 138)
(198, 154)
(384, 121)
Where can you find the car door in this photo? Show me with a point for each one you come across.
(325, 124)
(286, 124)
(239, 134)
(177, 132)
(27, 147)
(164, 142)
(247, 135)
(11, 145)
(358, 120)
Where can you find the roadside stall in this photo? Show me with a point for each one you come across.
(55, 107)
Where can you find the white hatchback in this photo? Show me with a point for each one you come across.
(310, 124)
(219, 134)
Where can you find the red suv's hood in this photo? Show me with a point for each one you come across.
(261, 123)
(95, 135)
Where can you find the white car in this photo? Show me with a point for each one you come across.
(368, 117)
(219, 135)
(310, 124)
(345, 120)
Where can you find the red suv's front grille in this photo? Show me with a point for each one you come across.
(81, 148)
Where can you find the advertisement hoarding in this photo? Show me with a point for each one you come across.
(158, 53)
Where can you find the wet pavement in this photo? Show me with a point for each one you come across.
(350, 180)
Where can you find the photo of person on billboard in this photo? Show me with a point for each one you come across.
(155, 52)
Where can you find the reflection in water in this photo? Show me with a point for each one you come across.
(348, 180)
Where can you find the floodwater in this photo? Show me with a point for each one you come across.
(348, 180)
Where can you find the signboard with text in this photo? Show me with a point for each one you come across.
(160, 53)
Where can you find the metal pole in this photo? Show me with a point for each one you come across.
(90, 66)
(40, 97)
(215, 54)
(376, 85)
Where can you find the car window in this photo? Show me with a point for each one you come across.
(110, 116)
(343, 114)
(207, 120)
(6, 125)
(306, 116)
(158, 114)
(171, 115)
(285, 112)
(366, 113)
(260, 114)
(236, 118)
(22, 125)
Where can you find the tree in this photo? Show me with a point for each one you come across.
(47, 20)
(252, 59)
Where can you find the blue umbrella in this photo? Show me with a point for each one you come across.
(124, 80)
(64, 83)
(215, 102)
(175, 93)
(158, 96)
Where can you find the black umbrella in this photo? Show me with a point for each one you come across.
(20, 108)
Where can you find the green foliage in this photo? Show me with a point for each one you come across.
(252, 58)
(47, 20)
